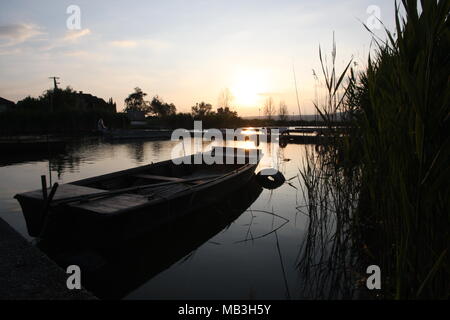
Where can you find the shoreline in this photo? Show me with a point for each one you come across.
(26, 273)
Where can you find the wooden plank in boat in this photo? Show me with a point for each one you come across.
(64, 191)
(155, 177)
(166, 192)
(112, 204)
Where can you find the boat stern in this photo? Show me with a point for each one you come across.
(31, 209)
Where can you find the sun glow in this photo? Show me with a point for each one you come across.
(248, 86)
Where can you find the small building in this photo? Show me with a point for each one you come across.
(136, 115)
(6, 104)
(86, 101)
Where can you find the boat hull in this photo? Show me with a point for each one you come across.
(71, 224)
(141, 259)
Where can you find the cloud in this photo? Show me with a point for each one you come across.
(74, 35)
(79, 53)
(71, 37)
(84, 55)
(13, 34)
(156, 44)
(124, 44)
(6, 52)
(146, 43)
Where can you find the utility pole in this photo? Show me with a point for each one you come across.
(55, 82)
(55, 87)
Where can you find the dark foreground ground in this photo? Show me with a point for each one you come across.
(27, 273)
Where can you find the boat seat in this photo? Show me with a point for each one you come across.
(161, 178)
(65, 191)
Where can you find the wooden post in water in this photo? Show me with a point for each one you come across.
(44, 187)
(44, 214)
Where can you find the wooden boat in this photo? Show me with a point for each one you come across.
(140, 259)
(128, 203)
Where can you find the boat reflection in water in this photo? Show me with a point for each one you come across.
(112, 273)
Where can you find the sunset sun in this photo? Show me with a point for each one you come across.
(248, 86)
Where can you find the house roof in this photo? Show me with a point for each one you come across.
(6, 102)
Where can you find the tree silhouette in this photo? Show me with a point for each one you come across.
(58, 99)
(226, 112)
(201, 110)
(269, 108)
(161, 109)
(225, 99)
(135, 101)
(283, 111)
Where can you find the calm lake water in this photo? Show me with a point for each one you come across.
(239, 256)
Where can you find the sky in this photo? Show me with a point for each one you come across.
(183, 51)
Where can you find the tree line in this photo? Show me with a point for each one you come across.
(158, 108)
(64, 111)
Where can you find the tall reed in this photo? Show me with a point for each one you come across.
(398, 149)
(403, 107)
